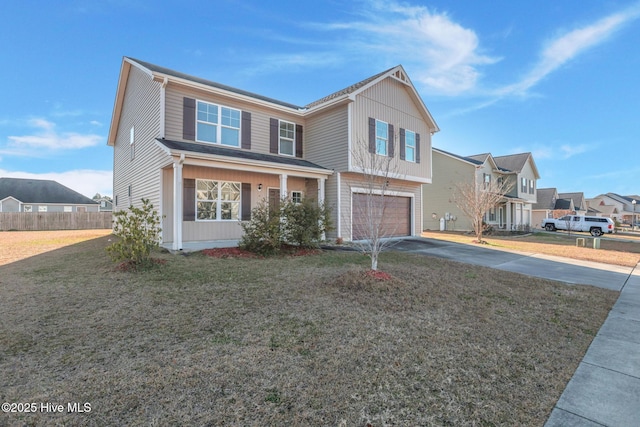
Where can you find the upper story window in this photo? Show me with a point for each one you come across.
(486, 178)
(531, 186)
(410, 145)
(217, 124)
(287, 140)
(523, 185)
(132, 141)
(382, 137)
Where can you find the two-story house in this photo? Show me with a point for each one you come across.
(450, 171)
(205, 153)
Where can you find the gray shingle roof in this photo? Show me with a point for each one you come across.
(40, 191)
(513, 162)
(170, 72)
(545, 198)
(239, 154)
(466, 159)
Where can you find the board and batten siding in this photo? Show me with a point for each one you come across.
(260, 115)
(140, 110)
(437, 197)
(328, 134)
(390, 102)
(351, 181)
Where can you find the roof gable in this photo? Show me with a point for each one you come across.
(41, 191)
(546, 198)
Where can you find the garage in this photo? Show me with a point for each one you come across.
(395, 212)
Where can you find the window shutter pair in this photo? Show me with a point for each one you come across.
(189, 123)
(189, 200)
(274, 138)
(403, 147)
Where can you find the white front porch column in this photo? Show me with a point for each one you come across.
(508, 215)
(177, 205)
(321, 199)
(283, 187)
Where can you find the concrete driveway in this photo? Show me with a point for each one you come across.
(536, 265)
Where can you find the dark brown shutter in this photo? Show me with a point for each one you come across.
(189, 119)
(299, 141)
(189, 200)
(245, 215)
(246, 130)
(403, 152)
(390, 143)
(417, 148)
(273, 136)
(372, 135)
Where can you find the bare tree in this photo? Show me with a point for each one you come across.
(474, 199)
(373, 231)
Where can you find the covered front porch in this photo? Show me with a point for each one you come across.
(510, 214)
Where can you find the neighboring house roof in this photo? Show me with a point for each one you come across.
(464, 159)
(516, 162)
(41, 191)
(564, 205)
(577, 198)
(214, 150)
(546, 198)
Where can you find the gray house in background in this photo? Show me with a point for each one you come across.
(37, 195)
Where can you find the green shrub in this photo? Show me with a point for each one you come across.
(139, 233)
(299, 224)
(305, 222)
(262, 233)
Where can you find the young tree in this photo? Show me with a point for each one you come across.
(376, 171)
(474, 199)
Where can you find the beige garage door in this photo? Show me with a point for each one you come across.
(395, 212)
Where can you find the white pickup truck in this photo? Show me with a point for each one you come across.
(595, 225)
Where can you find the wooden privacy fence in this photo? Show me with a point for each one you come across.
(54, 220)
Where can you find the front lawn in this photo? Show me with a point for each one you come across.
(288, 341)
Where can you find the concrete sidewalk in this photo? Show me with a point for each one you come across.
(605, 389)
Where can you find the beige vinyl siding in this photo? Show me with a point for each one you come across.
(527, 172)
(328, 134)
(260, 115)
(390, 102)
(223, 230)
(437, 197)
(353, 181)
(141, 109)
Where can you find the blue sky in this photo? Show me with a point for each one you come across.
(560, 79)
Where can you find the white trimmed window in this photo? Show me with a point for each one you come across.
(409, 146)
(27, 208)
(217, 124)
(68, 208)
(531, 186)
(524, 185)
(296, 197)
(382, 137)
(217, 200)
(42, 208)
(487, 180)
(287, 138)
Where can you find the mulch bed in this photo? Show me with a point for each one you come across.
(236, 252)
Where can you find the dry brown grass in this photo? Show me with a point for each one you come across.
(617, 250)
(288, 341)
(17, 245)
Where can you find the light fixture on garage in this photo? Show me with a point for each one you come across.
(259, 187)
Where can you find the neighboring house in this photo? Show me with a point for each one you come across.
(552, 204)
(598, 207)
(518, 171)
(38, 196)
(623, 204)
(106, 203)
(205, 154)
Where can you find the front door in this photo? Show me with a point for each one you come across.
(274, 199)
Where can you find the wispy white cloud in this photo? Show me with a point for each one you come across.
(84, 181)
(566, 47)
(443, 55)
(560, 151)
(47, 137)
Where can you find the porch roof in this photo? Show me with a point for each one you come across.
(216, 151)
